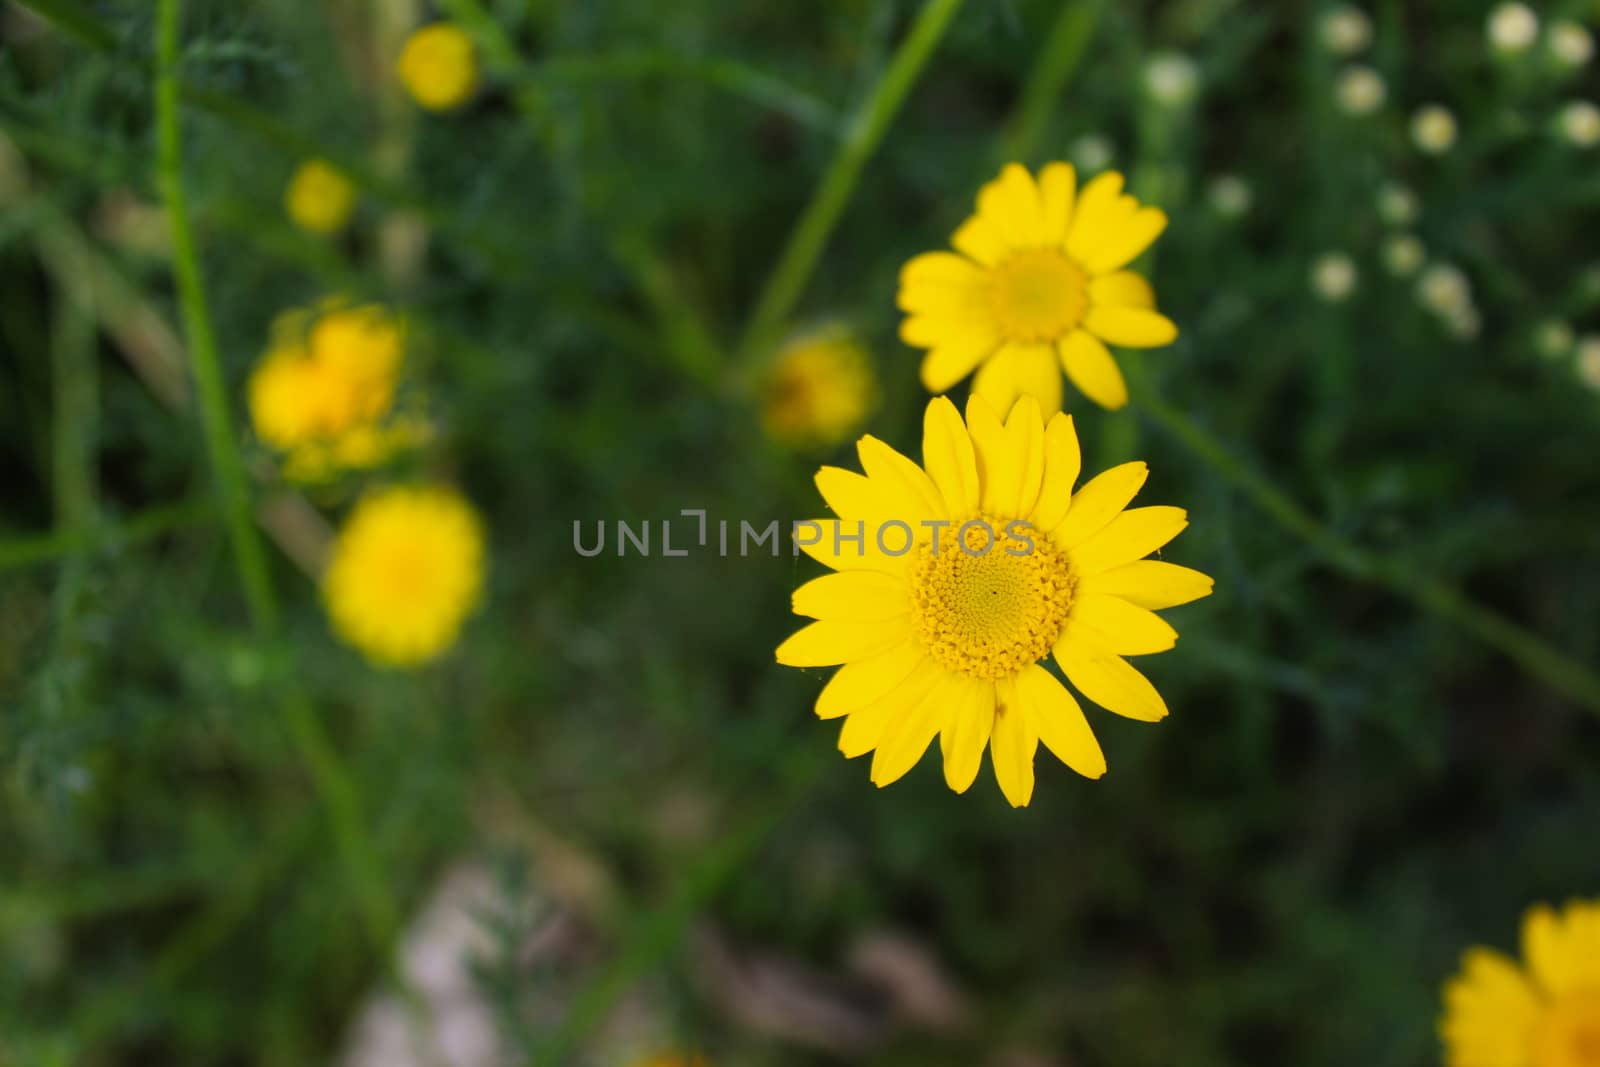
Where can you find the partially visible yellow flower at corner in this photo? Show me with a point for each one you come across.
(405, 572)
(819, 389)
(968, 571)
(1039, 286)
(319, 197)
(439, 67)
(323, 395)
(674, 1059)
(1543, 1013)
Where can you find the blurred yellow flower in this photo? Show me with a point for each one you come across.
(1545, 1013)
(819, 389)
(406, 570)
(324, 392)
(674, 1059)
(439, 67)
(955, 579)
(319, 197)
(1433, 128)
(1039, 285)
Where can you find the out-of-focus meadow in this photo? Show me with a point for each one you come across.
(227, 836)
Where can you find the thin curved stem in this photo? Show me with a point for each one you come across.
(799, 259)
(336, 789)
(1522, 646)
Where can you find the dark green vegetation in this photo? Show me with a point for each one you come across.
(1363, 772)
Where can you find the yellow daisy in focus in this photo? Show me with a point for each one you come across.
(1545, 1013)
(319, 197)
(1039, 284)
(439, 67)
(969, 570)
(324, 393)
(819, 389)
(405, 571)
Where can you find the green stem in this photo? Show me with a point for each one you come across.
(799, 259)
(1064, 48)
(145, 526)
(1518, 644)
(334, 785)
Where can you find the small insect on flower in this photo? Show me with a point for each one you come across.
(966, 573)
(405, 572)
(819, 389)
(1512, 28)
(1346, 30)
(1433, 128)
(1040, 284)
(1544, 1012)
(1360, 90)
(324, 393)
(439, 66)
(319, 197)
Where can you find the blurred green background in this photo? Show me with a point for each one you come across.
(1363, 774)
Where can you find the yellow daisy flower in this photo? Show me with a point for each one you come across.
(970, 570)
(405, 572)
(1039, 282)
(324, 392)
(439, 67)
(1543, 1014)
(319, 197)
(819, 389)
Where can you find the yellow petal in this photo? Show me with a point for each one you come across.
(1057, 190)
(1101, 499)
(1095, 202)
(832, 543)
(1090, 366)
(904, 484)
(1149, 583)
(980, 240)
(864, 595)
(1062, 460)
(1123, 628)
(929, 330)
(1017, 371)
(1132, 535)
(1010, 457)
(1010, 204)
(1123, 289)
(953, 357)
(1131, 327)
(865, 729)
(947, 454)
(906, 738)
(1012, 745)
(940, 268)
(1491, 1012)
(988, 443)
(834, 641)
(968, 721)
(1106, 678)
(857, 685)
(1059, 721)
(1128, 242)
(1550, 952)
(851, 495)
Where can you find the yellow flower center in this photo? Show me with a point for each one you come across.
(990, 597)
(1038, 295)
(1569, 1033)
